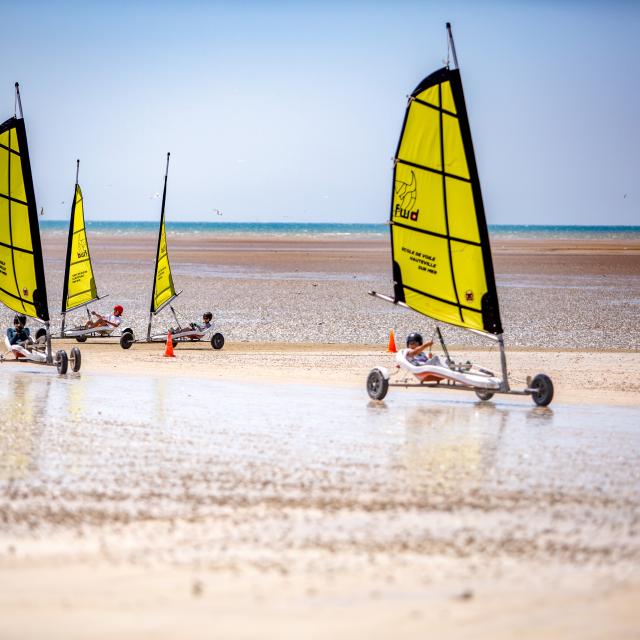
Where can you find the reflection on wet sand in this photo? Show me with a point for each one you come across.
(22, 398)
(453, 442)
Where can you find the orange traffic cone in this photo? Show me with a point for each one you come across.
(168, 350)
(392, 343)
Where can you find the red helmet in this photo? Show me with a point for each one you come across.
(118, 310)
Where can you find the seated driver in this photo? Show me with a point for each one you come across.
(207, 317)
(20, 333)
(416, 347)
(112, 320)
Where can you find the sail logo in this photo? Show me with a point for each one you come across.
(406, 194)
(82, 251)
(468, 295)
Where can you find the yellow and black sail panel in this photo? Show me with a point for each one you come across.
(163, 289)
(79, 281)
(22, 283)
(442, 263)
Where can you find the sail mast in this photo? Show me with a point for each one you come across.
(67, 266)
(491, 284)
(152, 309)
(452, 45)
(18, 103)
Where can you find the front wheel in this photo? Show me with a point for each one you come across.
(126, 340)
(81, 338)
(217, 341)
(484, 394)
(62, 362)
(377, 385)
(543, 393)
(75, 359)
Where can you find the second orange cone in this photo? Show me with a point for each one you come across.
(168, 350)
(392, 343)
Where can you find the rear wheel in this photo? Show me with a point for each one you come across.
(61, 362)
(484, 394)
(217, 341)
(543, 393)
(81, 338)
(377, 385)
(126, 340)
(75, 359)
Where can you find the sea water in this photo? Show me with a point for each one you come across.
(330, 229)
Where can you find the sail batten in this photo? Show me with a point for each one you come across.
(79, 287)
(442, 264)
(436, 171)
(22, 282)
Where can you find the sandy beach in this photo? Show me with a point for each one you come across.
(557, 294)
(256, 491)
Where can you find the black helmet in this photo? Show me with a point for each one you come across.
(414, 337)
(207, 315)
(20, 319)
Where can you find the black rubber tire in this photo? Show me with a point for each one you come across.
(484, 394)
(62, 362)
(377, 385)
(543, 386)
(75, 357)
(126, 340)
(81, 338)
(217, 341)
(41, 332)
(127, 330)
(174, 343)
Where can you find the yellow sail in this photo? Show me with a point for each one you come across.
(442, 263)
(79, 281)
(163, 289)
(22, 283)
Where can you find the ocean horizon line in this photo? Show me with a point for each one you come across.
(127, 227)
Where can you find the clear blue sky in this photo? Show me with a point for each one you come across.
(287, 111)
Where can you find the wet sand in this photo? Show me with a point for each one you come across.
(257, 492)
(288, 510)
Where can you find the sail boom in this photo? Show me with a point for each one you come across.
(84, 304)
(386, 298)
(166, 302)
